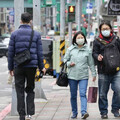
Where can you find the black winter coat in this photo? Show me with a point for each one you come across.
(19, 42)
(98, 48)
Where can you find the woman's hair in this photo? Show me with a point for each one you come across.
(75, 36)
(105, 23)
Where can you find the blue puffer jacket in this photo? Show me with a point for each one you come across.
(19, 41)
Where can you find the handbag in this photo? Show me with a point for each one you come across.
(62, 80)
(92, 94)
(24, 57)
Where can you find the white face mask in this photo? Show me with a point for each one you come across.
(105, 33)
(80, 41)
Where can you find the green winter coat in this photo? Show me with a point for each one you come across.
(82, 57)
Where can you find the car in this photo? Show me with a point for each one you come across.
(4, 47)
(47, 44)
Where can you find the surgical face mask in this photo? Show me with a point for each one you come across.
(80, 41)
(105, 33)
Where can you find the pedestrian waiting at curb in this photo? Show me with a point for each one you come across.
(106, 52)
(78, 57)
(19, 42)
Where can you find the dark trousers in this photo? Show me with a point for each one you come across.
(104, 83)
(23, 75)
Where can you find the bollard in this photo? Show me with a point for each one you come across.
(39, 93)
(14, 101)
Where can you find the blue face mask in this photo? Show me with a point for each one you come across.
(105, 33)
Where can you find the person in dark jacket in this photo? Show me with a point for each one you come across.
(19, 42)
(105, 80)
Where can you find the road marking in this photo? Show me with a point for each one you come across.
(5, 111)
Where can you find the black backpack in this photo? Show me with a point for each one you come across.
(111, 57)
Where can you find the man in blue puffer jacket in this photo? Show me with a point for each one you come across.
(19, 42)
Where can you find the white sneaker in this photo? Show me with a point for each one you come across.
(28, 117)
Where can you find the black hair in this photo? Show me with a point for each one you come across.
(26, 17)
(75, 36)
(105, 23)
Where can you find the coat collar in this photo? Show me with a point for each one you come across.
(75, 46)
(24, 26)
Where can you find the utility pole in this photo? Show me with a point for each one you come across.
(19, 9)
(70, 29)
(98, 11)
(62, 31)
(118, 22)
(39, 93)
(54, 17)
(89, 28)
(79, 18)
(37, 15)
(62, 19)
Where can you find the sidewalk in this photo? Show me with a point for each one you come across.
(58, 106)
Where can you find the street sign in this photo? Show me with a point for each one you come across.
(11, 13)
(114, 7)
(115, 27)
(89, 5)
(48, 2)
(89, 8)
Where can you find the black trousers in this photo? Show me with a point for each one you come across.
(23, 75)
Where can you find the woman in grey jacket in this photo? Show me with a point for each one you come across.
(78, 58)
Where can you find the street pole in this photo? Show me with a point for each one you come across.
(70, 29)
(89, 28)
(39, 93)
(37, 15)
(118, 22)
(98, 12)
(62, 19)
(54, 18)
(19, 9)
(62, 31)
(79, 3)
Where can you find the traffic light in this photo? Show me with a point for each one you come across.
(71, 13)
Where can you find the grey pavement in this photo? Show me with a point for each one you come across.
(5, 89)
(57, 106)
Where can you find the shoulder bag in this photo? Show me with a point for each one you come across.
(62, 80)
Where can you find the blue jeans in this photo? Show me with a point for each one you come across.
(82, 90)
(104, 83)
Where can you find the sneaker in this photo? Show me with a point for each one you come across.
(28, 117)
(116, 113)
(104, 116)
(74, 117)
(84, 116)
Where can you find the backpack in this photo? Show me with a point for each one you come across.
(111, 57)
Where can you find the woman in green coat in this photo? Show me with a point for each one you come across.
(79, 58)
